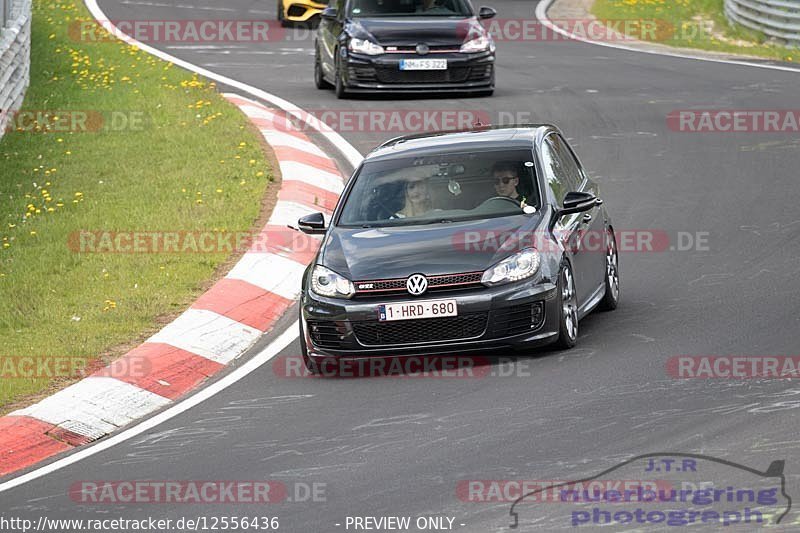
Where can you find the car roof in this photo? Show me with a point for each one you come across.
(480, 138)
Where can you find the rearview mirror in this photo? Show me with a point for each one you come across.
(486, 12)
(578, 202)
(329, 13)
(313, 224)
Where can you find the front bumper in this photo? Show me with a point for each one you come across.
(465, 73)
(301, 11)
(488, 319)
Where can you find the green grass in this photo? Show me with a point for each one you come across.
(697, 24)
(194, 164)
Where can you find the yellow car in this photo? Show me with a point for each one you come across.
(299, 11)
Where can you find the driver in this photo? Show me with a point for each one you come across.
(417, 198)
(432, 7)
(506, 179)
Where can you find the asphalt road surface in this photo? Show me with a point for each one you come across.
(387, 446)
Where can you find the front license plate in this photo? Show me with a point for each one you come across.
(417, 310)
(423, 64)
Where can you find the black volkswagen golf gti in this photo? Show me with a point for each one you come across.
(459, 242)
(406, 46)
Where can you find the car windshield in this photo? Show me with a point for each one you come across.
(442, 188)
(410, 8)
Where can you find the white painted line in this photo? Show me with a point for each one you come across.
(271, 272)
(274, 348)
(347, 150)
(208, 334)
(101, 403)
(541, 14)
(296, 171)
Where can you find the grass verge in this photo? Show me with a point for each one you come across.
(697, 24)
(110, 139)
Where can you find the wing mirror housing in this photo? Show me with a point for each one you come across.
(578, 202)
(486, 12)
(313, 224)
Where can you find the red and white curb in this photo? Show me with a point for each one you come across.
(219, 327)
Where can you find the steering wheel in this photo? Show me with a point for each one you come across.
(506, 198)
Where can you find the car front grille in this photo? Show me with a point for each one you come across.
(433, 49)
(435, 283)
(362, 74)
(327, 334)
(395, 75)
(517, 320)
(455, 328)
(481, 73)
(505, 322)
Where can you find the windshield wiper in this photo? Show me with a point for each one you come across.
(437, 221)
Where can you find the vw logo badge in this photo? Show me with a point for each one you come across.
(417, 284)
(423, 49)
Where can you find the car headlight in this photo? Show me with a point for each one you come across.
(482, 43)
(364, 46)
(521, 265)
(326, 282)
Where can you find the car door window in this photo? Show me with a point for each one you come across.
(573, 177)
(554, 171)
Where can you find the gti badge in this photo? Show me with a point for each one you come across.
(417, 284)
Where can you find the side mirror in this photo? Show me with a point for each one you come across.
(329, 13)
(486, 12)
(313, 224)
(578, 202)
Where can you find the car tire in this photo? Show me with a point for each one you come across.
(319, 78)
(568, 309)
(341, 92)
(611, 298)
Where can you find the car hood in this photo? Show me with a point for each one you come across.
(363, 254)
(410, 31)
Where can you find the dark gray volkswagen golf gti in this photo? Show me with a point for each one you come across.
(458, 242)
